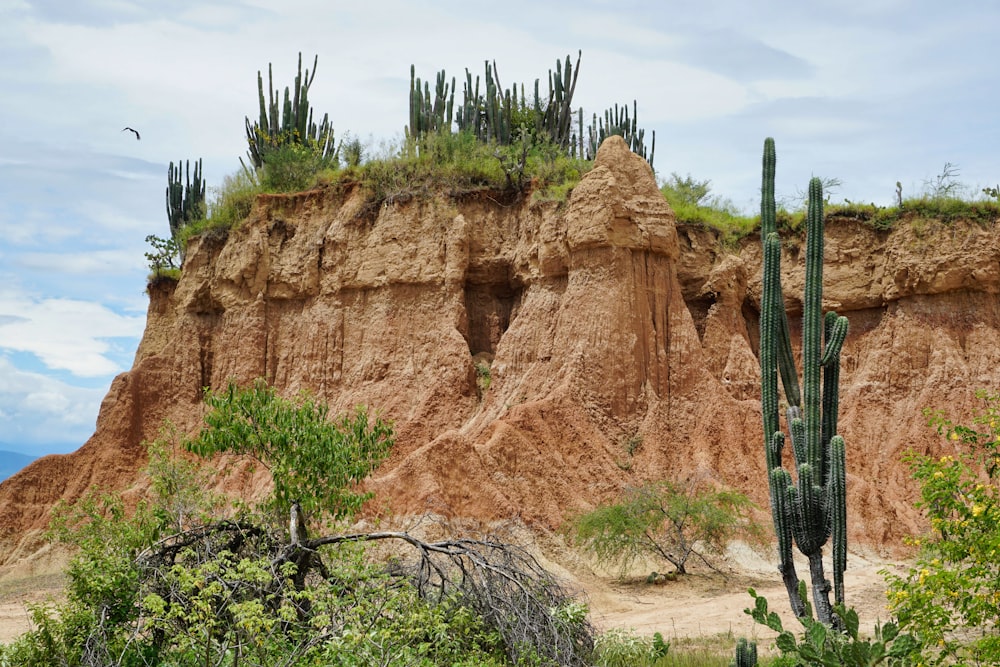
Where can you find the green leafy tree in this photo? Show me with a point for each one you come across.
(664, 520)
(685, 190)
(165, 258)
(950, 598)
(312, 460)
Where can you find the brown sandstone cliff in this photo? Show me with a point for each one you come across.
(606, 328)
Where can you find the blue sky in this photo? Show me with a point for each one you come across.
(869, 92)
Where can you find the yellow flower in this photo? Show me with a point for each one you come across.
(977, 510)
(954, 435)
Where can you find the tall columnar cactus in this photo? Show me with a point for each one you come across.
(290, 123)
(557, 118)
(617, 121)
(810, 510)
(430, 114)
(746, 654)
(185, 198)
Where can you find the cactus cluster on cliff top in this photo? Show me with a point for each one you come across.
(505, 115)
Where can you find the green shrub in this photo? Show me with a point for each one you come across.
(950, 598)
(164, 260)
(692, 205)
(458, 164)
(314, 460)
(622, 648)
(292, 167)
(819, 645)
(664, 520)
(230, 205)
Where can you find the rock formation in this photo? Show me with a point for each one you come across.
(621, 348)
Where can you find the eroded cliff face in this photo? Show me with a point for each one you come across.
(621, 348)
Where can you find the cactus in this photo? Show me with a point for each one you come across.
(185, 198)
(811, 510)
(746, 654)
(499, 115)
(557, 118)
(617, 121)
(430, 114)
(291, 124)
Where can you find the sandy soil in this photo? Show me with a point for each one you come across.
(17, 594)
(703, 604)
(706, 603)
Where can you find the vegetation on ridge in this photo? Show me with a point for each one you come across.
(496, 140)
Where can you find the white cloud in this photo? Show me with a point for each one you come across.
(39, 414)
(65, 334)
(106, 262)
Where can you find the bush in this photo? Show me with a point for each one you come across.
(230, 205)
(665, 520)
(621, 648)
(292, 167)
(313, 461)
(950, 598)
(692, 205)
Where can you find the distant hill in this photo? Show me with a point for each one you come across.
(11, 462)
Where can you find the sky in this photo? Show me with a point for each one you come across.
(868, 92)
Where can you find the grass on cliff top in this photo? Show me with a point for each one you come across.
(454, 163)
(458, 164)
(693, 205)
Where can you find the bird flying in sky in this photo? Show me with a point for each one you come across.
(137, 137)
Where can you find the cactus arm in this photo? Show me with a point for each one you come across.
(782, 503)
(768, 213)
(838, 514)
(812, 322)
(836, 332)
(768, 348)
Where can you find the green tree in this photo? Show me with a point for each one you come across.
(312, 460)
(685, 190)
(665, 520)
(950, 598)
